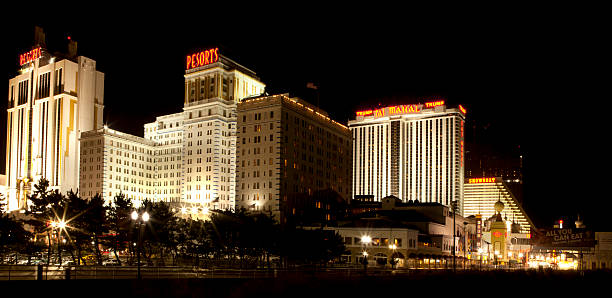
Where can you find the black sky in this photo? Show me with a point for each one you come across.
(534, 78)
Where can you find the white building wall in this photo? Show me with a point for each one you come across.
(43, 130)
(430, 161)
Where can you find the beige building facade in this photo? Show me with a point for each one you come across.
(287, 148)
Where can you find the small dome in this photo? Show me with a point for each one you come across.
(499, 206)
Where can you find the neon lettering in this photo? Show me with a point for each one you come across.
(434, 104)
(482, 180)
(202, 58)
(364, 113)
(462, 109)
(30, 56)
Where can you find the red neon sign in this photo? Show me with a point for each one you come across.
(202, 58)
(482, 180)
(365, 113)
(29, 56)
(434, 104)
(403, 109)
(393, 110)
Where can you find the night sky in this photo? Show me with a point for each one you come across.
(527, 79)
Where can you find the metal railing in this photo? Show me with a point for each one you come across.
(44, 272)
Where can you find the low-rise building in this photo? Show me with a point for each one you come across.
(428, 226)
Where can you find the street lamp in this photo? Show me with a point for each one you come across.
(365, 240)
(141, 220)
(58, 226)
(393, 262)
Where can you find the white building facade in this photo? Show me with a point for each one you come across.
(50, 103)
(413, 152)
(189, 158)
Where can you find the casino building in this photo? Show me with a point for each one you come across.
(481, 195)
(412, 152)
(52, 100)
(188, 158)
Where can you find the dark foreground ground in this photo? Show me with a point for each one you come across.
(420, 284)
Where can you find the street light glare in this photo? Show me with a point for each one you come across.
(134, 215)
(145, 216)
(366, 239)
(61, 224)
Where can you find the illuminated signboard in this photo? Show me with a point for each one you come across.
(434, 104)
(462, 109)
(29, 56)
(482, 180)
(568, 237)
(390, 111)
(202, 58)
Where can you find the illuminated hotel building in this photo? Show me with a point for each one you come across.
(51, 102)
(186, 158)
(413, 152)
(288, 149)
(481, 194)
(113, 162)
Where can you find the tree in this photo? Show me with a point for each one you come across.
(163, 227)
(13, 236)
(310, 246)
(119, 223)
(78, 234)
(46, 206)
(95, 223)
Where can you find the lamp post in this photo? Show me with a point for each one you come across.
(58, 226)
(393, 247)
(465, 242)
(365, 240)
(141, 220)
(454, 207)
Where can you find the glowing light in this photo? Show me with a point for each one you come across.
(481, 180)
(202, 58)
(462, 109)
(434, 104)
(30, 56)
(145, 216)
(366, 239)
(134, 215)
(61, 224)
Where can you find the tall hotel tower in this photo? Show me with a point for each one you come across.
(413, 152)
(187, 158)
(50, 102)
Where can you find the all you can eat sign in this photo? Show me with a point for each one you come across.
(568, 238)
